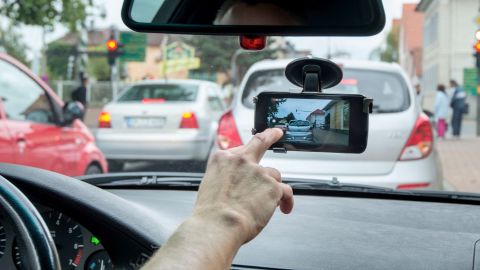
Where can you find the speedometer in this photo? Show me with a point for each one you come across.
(3, 240)
(67, 236)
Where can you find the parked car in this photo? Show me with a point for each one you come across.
(397, 156)
(171, 120)
(37, 129)
(299, 130)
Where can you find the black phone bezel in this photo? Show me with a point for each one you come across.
(358, 125)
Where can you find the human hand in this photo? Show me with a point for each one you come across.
(239, 193)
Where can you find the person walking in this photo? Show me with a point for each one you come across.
(80, 93)
(441, 110)
(457, 103)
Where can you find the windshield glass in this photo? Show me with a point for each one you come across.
(388, 89)
(160, 92)
(165, 102)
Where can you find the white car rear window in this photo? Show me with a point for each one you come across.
(388, 90)
(160, 92)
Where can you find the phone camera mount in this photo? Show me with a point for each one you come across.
(313, 74)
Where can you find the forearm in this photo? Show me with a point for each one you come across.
(198, 243)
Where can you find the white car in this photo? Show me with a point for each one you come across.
(400, 152)
(172, 120)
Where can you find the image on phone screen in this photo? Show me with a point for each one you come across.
(310, 121)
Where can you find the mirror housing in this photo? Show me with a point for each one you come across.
(256, 17)
(72, 111)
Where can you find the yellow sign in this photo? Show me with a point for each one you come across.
(178, 65)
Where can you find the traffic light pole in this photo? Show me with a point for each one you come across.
(114, 79)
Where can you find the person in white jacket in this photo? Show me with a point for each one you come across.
(442, 102)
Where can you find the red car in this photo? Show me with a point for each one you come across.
(37, 129)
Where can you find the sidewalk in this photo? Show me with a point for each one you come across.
(460, 161)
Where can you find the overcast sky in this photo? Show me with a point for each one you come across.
(300, 109)
(358, 47)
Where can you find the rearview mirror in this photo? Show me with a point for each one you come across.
(256, 17)
(72, 110)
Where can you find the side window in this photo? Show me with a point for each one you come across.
(214, 101)
(23, 99)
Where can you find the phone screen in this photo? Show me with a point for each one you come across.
(310, 121)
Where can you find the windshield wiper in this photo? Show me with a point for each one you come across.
(144, 179)
(191, 181)
(335, 188)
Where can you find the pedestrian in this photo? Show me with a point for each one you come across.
(80, 93)
(457, 103)
(441, 110)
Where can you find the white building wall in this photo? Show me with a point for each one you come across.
(449, 30)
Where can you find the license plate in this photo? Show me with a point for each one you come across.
(145, 122)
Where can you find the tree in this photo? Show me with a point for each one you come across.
(290, 117)
(45, 13)
(273, 107)
(98, 68)
(11, 42)
(57, 59)
(216, 52)
(388, 52)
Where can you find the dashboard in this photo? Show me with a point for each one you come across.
(77, 247)
(115, 228)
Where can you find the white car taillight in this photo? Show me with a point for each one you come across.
(104, 120)
(420, 143)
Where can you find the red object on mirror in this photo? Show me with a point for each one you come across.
(253, 43)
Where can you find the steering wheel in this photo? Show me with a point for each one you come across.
(40, 249)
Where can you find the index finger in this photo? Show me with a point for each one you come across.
(259, 144)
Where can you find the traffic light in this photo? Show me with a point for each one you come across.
(113, 49)
(477, 49)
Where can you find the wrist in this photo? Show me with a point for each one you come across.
(227, 223)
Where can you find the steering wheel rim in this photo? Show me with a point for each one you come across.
(39, 245)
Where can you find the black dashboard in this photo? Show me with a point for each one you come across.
(323, 232)
(77, 247)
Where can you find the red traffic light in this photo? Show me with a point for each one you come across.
(477, 46)
(112, 45)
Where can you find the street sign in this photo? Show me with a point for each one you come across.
(470, 80)
(134, 46)
(179, 65)
(178, 57)
(179, 50)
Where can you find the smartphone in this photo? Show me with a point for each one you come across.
(315, 122)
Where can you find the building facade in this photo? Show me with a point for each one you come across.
(411, 42)
(449, 28)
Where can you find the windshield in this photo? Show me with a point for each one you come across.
(160, 92)
(165, 102)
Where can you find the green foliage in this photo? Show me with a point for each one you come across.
(98, 68)
(216, 52)
(57, 59)
(290, 117)
(273, 107)
(388, 53)
(45, 13)
(10, 40)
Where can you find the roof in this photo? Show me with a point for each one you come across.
(173, 81)
(423, 5)
(345, 63)
(316, 112)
